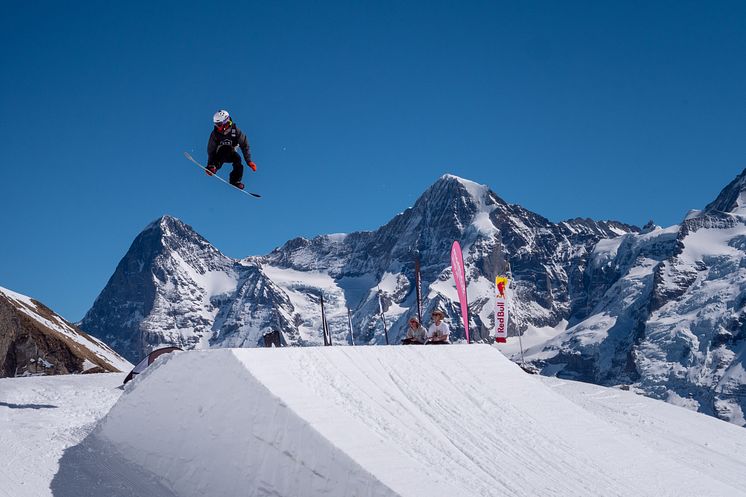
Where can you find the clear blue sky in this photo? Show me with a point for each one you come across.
(612, 110)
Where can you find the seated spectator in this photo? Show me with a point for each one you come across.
(416, 333)
(438, 332)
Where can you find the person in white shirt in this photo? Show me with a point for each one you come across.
(416, 333)
(438, 332)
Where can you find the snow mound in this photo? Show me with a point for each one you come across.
(459, 420)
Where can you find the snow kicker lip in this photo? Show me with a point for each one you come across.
(242, 439)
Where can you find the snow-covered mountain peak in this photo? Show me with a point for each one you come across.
(168, 279)
(158, 235)
(460, 186)
(458, 206)
(171, 237)
(732, 198)
(475, 189)
(167, 226)
(161, 223)
(170, 228)
(449, 177)
(451, 208)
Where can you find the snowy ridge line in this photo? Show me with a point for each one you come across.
(393, 421)
(281, 290)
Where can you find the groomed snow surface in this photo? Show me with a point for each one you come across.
(457, 420)
(40, 417)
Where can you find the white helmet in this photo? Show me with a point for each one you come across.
(221, 119)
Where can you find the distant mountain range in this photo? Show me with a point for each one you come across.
(36, 341)
(660, 310)
(666, 312)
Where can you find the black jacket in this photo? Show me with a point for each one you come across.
(234, 139)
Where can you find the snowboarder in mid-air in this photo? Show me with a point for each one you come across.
(225, 139)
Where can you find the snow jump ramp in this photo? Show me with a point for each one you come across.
(448, 421)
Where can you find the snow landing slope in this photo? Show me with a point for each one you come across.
(40, 417)
(392, 421)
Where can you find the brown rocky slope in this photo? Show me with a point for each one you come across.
(36, 341)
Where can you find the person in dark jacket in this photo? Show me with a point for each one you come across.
(224, 140)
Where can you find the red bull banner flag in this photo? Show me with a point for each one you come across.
(459, 276)
(501, 309)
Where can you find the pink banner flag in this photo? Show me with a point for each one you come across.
(459, 276)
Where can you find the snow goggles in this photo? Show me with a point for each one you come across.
(224, 125)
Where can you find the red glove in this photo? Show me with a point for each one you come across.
(252, 166)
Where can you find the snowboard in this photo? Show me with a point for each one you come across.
(218, 177)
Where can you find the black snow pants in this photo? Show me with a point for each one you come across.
(225, 154)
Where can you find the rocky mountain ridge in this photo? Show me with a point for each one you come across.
(173, 287)
(36, 341)
(668, 313)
